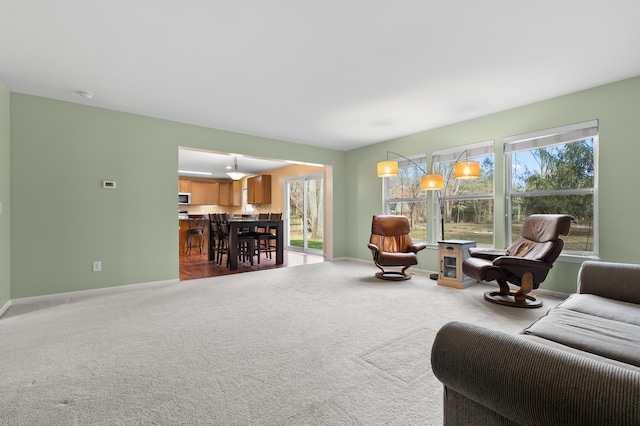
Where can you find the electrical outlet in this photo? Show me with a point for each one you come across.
(97, 266)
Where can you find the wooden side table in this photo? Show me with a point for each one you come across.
(451, 254)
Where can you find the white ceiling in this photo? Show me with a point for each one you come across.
(218, 164)
(339, 74)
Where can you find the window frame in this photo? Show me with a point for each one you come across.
(449, 155)
(547, 138)
(404, 163)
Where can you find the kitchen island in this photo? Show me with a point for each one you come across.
(183, 228)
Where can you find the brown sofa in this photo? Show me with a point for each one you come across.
(577, 365)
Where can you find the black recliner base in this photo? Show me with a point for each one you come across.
(516, 299)
(511, 299)
(393, 276)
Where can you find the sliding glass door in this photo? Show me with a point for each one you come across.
(305, 213)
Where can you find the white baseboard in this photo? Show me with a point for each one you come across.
(352, 259)
(425, 272)
(413, 269)
(551, 293)
(4, 308)
(84, 293)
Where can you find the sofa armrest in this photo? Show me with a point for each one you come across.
(618, 281)
(529, 383)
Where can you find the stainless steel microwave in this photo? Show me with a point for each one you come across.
(184, 198)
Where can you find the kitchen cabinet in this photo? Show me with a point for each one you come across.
(198, 193)
(230, 193)
(225, 190)
(212, 193)
(205, 193)
(184, 185)
(235, 198)
(259, 189)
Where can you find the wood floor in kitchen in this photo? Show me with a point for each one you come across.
(197, 265)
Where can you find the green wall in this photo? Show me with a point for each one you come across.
(62, 217)
(616, 106)
(5, 220)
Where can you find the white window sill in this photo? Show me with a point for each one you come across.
(577, 258)
(564, 257)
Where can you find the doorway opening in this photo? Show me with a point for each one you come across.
(202, 170)
(305, 213)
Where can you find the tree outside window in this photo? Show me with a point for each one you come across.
(468, 207)
(468, 203)
(405, 196)
(559, 179)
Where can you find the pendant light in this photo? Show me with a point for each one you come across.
(235, 175)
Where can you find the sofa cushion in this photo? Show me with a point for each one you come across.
(603, 307)
(602, 336)
(575, 351)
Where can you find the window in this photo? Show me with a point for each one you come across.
(468, 203)
(403, 195)
(554, 171)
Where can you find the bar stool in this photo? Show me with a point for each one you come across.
(247, 238)
(221, 236)
(196, 230)
(261, 233)
(265, 239)
(245, 245)
(214, 236)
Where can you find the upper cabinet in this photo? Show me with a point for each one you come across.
(230, 193)
(235, 198)
(198, 192)
(259, 189)
(211, 193)
(225, 191)
(184, 185)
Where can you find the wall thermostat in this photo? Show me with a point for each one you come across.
(110, 184)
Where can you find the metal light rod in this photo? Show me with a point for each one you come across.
(390, 168)
(442, 197)
(408, 159)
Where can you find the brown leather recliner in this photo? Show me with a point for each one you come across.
(391, 245)
(525, 263)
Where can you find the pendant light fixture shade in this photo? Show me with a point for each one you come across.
(387, 168)
(235, 175)
(435, 182)
(432, 182)
(467, 170)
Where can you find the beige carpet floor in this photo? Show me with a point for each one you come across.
(322, 344)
